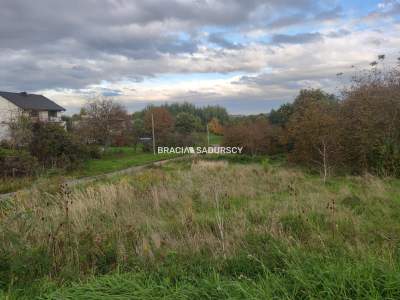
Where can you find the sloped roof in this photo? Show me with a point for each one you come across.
(31, 101)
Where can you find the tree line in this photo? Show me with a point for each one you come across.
(355, 133)
(106, 122)
(102, 123)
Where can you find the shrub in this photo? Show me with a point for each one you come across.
(54, 147)
(5, 144)
(17, 163)
(255, 136)
(92, 151)
(370, 123)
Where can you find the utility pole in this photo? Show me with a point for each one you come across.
(154, 139)
(208, 137)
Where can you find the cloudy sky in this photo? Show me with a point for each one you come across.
(247, 55)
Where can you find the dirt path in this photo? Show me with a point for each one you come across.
(76, 181)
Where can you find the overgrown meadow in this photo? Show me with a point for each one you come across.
(204, 229)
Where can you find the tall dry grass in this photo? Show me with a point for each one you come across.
(209, 206)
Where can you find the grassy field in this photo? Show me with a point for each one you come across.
(205, 229)
(8, 185)
(117, 158)
(215, 139)
(114, 159)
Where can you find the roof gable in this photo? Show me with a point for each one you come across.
(31, 101)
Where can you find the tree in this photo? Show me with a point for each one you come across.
(54, 147)
(205, 114)
(255, 136)
(138, 131)
(176, 108)
(215, 127)
(313, 130)
(209, 112)
(103, 121)
(163, 124)
(370, 119)
(187, 123)
(281, 115)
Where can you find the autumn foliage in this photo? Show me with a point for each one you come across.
(357, 133)
(163, 123)
(313, 129)
(215, 127)
(255, 136)
(370, 119)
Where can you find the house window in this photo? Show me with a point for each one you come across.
(52, 114)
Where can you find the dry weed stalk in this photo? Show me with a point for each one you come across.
(219, 219)
(331, 206)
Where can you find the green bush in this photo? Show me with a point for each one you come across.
(54, 147)
(93, 151)
(17, 163)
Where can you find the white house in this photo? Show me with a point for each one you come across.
(37, 107)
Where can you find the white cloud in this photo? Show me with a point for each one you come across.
(286, 68)
(130, 49)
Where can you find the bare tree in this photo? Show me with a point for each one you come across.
(103, 120)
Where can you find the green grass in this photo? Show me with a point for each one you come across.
(212, 229)
(215, 139)
(8, 151)
(115, 159)
(299, 276)
(8, 185)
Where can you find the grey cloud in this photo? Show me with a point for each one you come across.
(300, 38)
(330, 14)
(287, 21)
(76, 43)
(391, 8)
(292, 81)
(220, 40)
(110, 92)
(25, 22)
(339, 33)
(277, 79)
(306, 17)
